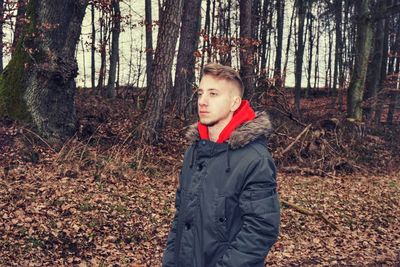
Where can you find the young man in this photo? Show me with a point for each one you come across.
(227, 208)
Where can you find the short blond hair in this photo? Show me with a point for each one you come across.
(224, 72)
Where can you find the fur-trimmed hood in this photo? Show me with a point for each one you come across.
(244, 134)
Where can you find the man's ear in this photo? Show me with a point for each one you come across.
(237, 100)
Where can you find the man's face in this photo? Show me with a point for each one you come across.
(217, 101)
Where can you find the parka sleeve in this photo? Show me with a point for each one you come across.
(168, 257)
(260, 211)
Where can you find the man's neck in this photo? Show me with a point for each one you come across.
(215, 130)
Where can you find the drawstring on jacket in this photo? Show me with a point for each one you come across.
(228, 164)
(193, 154)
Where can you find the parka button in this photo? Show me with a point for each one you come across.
(222, 219)
(203, 142)
(199, 167)
(187, 226)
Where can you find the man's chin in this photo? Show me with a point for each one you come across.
(208, 123)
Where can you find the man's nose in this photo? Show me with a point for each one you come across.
(202, 100)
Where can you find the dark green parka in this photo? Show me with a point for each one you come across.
(227, 208)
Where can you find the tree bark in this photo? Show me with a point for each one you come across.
(149, 41)
(363, 45)
(38, 84)
(246, 48)
(19, 22)
(185, 66)
(164, 56)
(116, 29)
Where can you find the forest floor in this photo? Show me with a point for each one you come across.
(104, 199)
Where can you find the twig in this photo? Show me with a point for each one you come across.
(290, 116)
(295, 140)
(41, 139)
(308, 171)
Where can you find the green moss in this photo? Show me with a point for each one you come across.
(12, 80)
(12, 86)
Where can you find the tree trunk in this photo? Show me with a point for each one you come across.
(301, 12)
(206, 36)
(338, 46)
(316, 63)
(346, 37)
(329, 65)
(38, 84)
(269, 34)
(93, 47)
(83, 61)
(280, 14)
(374, 66)
(246, 48)
(394, 43)
(103, 49)
(382, 70)
(255, 34)
(352, 38)
(228, 34)
(185, 65)
(394, 97)
(149, 41)
(116, 29)
(212, 56)
(288, 45)
(363, 46)
(1, 33)
(310, 48)
(263, 36)
(164, 56)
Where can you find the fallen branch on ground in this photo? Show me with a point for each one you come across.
(311, 213)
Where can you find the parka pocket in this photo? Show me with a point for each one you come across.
(264, 201)
(220, 218)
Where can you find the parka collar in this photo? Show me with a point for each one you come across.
(242, 135)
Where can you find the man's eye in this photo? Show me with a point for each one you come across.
(213, 94)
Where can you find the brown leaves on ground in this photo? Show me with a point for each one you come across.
(367, 209)
(104, 199)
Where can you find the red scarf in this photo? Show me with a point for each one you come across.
(241, 115)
